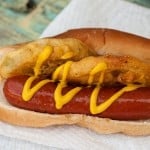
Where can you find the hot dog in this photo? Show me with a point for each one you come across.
(130, 106)
(99, 74)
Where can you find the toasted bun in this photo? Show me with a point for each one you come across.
(108, 41)
(103, 42)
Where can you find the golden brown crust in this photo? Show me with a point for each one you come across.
(109, 41)
(20, 60)
(120, 69)
(103, 41)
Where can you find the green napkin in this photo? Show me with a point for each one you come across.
(145, 3)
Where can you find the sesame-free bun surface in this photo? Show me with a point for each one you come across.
(21, 117)
(113, 42)
(103, 41)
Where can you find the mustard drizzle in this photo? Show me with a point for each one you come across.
(61, 100)
(28, 92)
(98, 68)
(96, 109)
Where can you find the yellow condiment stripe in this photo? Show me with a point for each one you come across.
(67, 55)
(41, 58)
(66, 70)
(98, 68)
(101, 78)
(94, 109)
(28, 92)
(61, 100)
(56, 72)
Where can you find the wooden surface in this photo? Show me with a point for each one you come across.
(24, 20)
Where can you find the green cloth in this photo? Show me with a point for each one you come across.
(145, 3)
(25, 20)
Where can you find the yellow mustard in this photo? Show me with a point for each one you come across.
(41, 59)
(98, 68)
(61, 100)
(28, 92)
(94, 109)
(67, 55)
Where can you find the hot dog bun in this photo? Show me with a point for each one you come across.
(103, 41)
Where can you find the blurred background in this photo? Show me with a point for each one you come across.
(25, 20)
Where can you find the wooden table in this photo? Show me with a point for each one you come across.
(25, 20)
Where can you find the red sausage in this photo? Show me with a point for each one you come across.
(133, 105)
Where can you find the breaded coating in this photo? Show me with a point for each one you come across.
(22, 60)
(120, 70)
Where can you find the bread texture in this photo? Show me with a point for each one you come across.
(102, 41)
(21, 117)
(112, 42)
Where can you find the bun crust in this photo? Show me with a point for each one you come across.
(27, 118)
(109, 41)
(103, 41)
